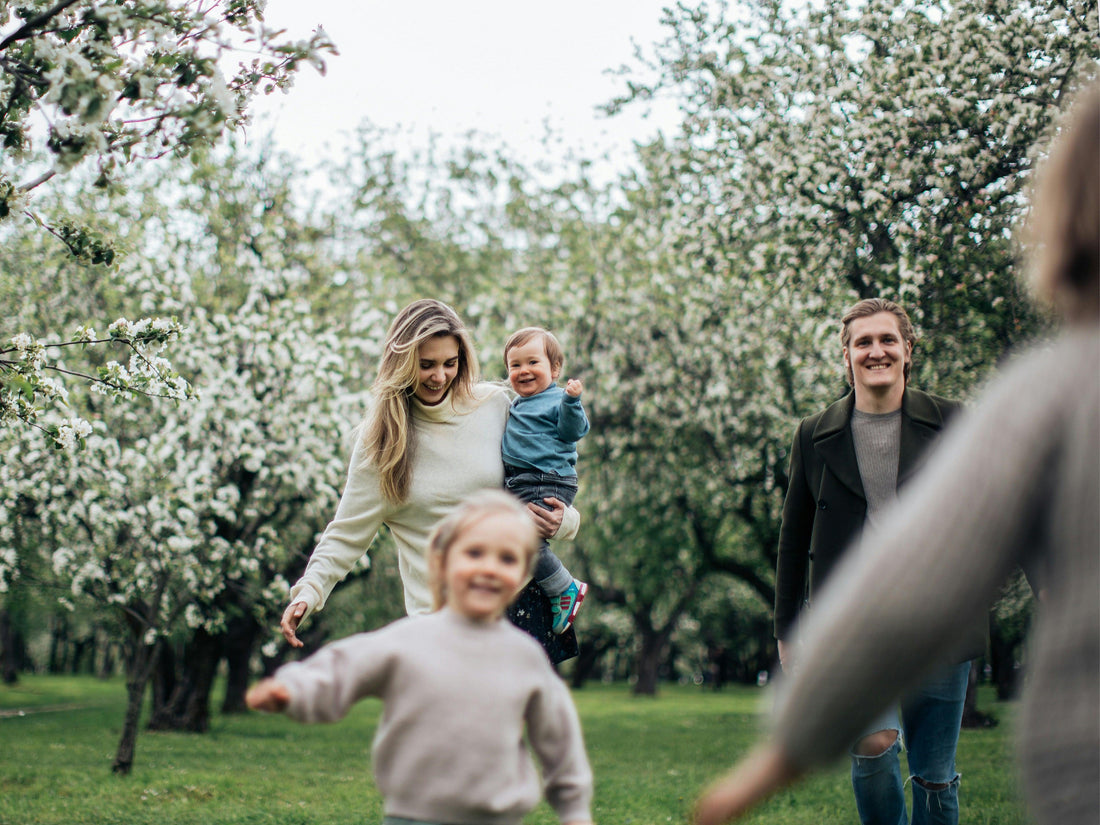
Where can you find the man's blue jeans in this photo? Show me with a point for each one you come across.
(930, 720)
(531, 485)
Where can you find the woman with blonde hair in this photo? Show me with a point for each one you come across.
(1014, 481)
(430, 438)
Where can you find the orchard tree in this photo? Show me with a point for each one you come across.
(137, 79)
(670, 496)
(107, 84)
(185, 522)
(183, 519)
(828, 153)
(846, 150)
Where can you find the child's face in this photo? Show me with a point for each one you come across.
(485, 566)
(529, 370)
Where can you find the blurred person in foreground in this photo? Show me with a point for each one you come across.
(1016, 480)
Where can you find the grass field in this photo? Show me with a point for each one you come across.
(650, 757)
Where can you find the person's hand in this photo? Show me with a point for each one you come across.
(752, 780)
(547, 521)
(574, 387)
(268, 695)
(289, 624)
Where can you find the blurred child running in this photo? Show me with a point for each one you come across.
(462, 687)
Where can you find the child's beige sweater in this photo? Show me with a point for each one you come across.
(459, 696)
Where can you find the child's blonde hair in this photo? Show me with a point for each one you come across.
(474, 508)
(554, 353)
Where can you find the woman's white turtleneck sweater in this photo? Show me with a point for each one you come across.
(456, 452)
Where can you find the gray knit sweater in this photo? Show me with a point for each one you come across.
(459, 696)
(1016, 479)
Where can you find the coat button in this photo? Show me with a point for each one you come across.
(821, 505)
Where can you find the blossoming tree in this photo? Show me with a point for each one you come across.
(179, 520)
(107, 84)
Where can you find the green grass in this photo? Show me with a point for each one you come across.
(650, 758)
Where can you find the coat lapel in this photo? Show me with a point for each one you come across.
(832, 439)
(921, 423)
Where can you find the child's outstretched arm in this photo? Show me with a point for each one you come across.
(268, 695)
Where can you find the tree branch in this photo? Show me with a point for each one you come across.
(41, 179)
(28, 28)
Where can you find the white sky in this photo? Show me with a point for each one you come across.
(510, 69)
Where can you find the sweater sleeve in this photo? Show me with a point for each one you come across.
(571, 519)
(570, 525)
(555, 734)
(572, 421)
(951, 539)
(324, 686)
(347, 536)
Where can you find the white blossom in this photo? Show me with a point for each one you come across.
(22, 342)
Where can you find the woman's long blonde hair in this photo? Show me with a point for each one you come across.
(387, 434)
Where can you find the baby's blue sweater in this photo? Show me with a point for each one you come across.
(543, 430)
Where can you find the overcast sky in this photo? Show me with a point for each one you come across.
(507, 68)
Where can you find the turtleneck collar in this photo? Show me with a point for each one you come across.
(438, 413)
(445, 410)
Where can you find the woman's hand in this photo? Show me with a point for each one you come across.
(547, 521)
(289, 624)
(756, 777)
(268, 695)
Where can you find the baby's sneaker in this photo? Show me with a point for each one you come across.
(564, 607)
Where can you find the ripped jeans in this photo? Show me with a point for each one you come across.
(930, 719)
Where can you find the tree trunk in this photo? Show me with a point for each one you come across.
(188, 708)
(1002, 662)
(83, 648)
(164, 680)
(650, 655)
(239, 641)
(591, 651)
(59, 643)
(107, 665)
(139, 667)
(9, 670)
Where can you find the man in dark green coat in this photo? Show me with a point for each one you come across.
(847, 464)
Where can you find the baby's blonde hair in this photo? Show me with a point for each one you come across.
(476, 507)
(554, 352)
